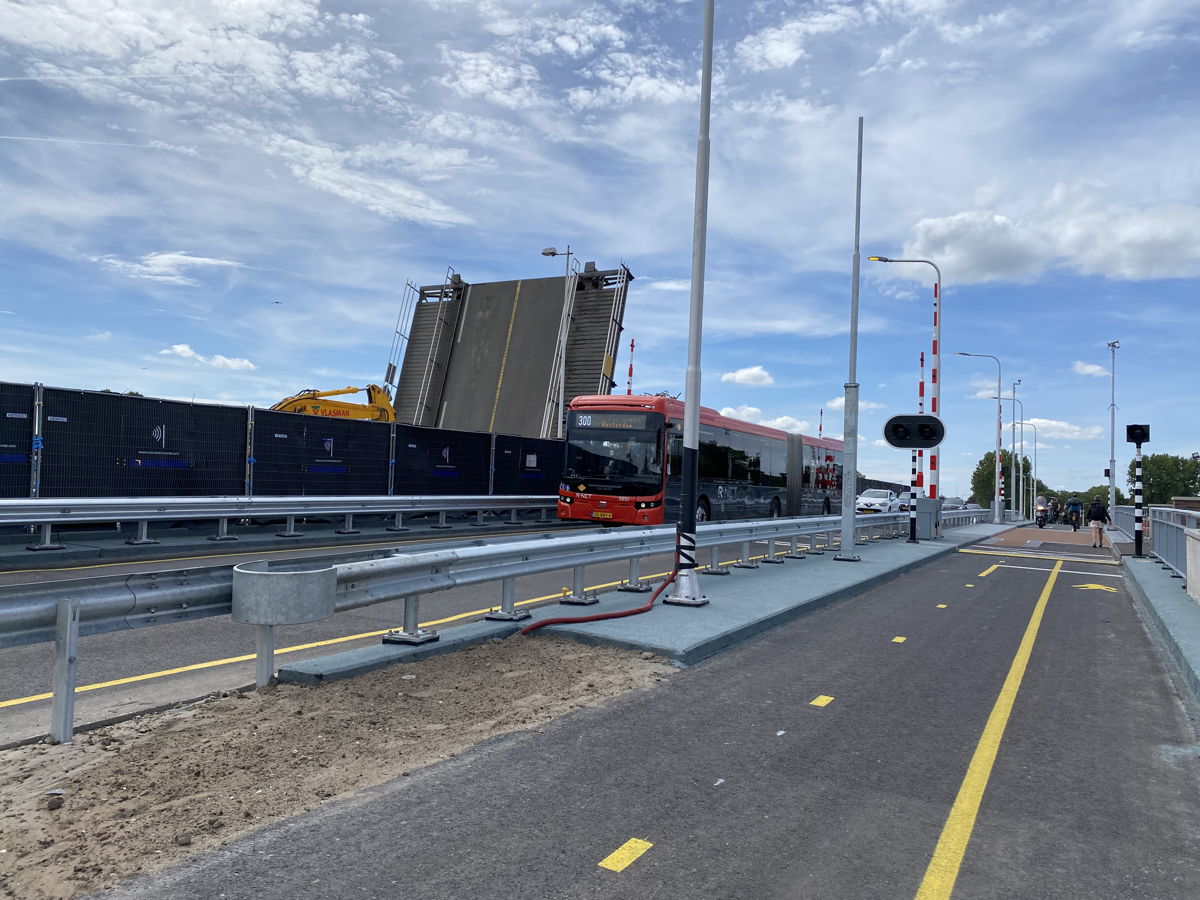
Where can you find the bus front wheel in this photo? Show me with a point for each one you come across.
(703, 511)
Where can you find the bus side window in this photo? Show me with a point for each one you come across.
(675, 454)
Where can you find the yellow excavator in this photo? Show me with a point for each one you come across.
(378, 407)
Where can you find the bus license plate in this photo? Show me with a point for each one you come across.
(602, 515)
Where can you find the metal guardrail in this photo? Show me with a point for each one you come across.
(49, 513)
(1168, 541)
(61, 611)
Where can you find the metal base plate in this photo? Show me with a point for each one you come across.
(638, 588)
(421, 636)
(515, 616)
(585, 600)
(222, 537)
(841, 558)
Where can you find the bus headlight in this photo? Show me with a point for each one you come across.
(565, 499)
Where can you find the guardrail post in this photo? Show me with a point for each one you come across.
(143, 534)
(441, 522)
(542, 520)
(579, 595)
(398, 523)
(714, 563)
(814, 547)
(512, 516)
(413, 633)
(745, 562)
(66, 650)
(634, 585)
(795, 552)
(771, 557)
(348, 526)
(47, 540)
(289, 530)
(264, 654)
(222, 532)
(508, 611)
(479, 523)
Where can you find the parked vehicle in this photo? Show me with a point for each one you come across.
(877, 500)
(905, 504)
(972, 506)
(953, 503)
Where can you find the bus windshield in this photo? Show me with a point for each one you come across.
(619, 452)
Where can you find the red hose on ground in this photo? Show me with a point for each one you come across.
(616, 614)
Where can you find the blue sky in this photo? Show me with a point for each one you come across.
(224, 199)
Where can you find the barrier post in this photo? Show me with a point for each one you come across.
(66, 649)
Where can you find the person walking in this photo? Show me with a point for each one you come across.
(1097, 517)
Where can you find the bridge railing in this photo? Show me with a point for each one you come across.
(1165, 533)
(48, 514)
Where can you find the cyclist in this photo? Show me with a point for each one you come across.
(1074, 512)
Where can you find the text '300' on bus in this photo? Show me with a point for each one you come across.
(624, 458)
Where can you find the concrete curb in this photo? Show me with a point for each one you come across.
(700, 650)
(367, 659)
(1172, 614)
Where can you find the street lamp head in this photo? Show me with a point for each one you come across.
(878, 259)
(550, 251)
(1114, 345)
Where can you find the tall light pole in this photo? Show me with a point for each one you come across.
(1112, 432)
(1016, 403)
(687, 583)
(850, 412)
(1033, 492)
(560, 349)
(935, 371)
(997, 513)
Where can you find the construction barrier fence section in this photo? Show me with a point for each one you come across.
(67, 443)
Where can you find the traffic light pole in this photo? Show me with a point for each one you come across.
(1137, 500)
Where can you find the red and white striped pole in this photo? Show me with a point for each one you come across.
(935, 382)
(920, 454)
(821, 424)
(629, 383)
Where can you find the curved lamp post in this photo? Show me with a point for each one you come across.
(997, 513)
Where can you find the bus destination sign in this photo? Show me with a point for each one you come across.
(622, 421)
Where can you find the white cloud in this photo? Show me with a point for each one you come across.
(164, 267)
(840, 403)
(671, 284)
(1053, 428)
(1085, 368)
(184, 351)
(99, 336)
(751, 375)
(486, 76)
(781, 46)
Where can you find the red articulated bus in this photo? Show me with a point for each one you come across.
(624, 459)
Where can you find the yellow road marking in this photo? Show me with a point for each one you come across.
(627, 853)
(1045, 556)
(195, 667)
(941, 606)
(942, 871)
(899, 640)
(1095, 587)
(822, 700)
(968, 585)
(1066, 571)
(988, 571)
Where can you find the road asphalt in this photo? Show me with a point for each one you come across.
(997, 723)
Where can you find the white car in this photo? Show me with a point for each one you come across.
(903, 503)
(877, 500)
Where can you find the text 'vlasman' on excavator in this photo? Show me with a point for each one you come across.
(312, 402)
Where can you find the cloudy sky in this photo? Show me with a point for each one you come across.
(224, 198)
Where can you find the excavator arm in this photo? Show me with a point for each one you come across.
(312, 402)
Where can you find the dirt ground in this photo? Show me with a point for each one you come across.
(154, 790)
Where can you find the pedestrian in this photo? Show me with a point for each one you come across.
(1097, 516)
(826, 505)
(1054, 511)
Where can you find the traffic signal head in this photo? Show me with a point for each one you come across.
(914, 432)
(1137, 434)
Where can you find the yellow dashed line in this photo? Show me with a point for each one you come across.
(988, 571)
(941, 606)
(822, 700)
(623, 856)
(899, 640)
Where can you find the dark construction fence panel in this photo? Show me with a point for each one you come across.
(16, 438)
(439, 461)
(100, 444)
(526, 466)
(296, 454)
